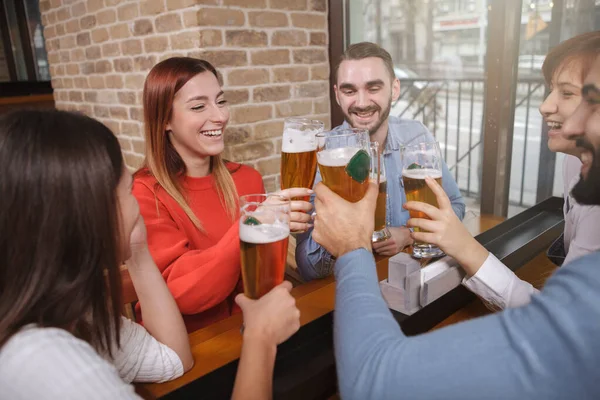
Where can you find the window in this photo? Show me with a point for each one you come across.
(536, 173)
(440, 47)
(23, 55)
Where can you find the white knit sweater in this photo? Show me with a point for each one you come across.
(50, 363)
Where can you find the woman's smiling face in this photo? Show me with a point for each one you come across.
(199, 117)
(564, 97)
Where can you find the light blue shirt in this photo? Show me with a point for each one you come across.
(315, 262)
(548, 349)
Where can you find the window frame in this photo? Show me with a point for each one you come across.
(500, 90)
(24, 87)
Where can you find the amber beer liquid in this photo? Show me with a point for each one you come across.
(380, 210)
(263, 255)
(298, 158)
(416, 189)
(298, 169)
(332, 165)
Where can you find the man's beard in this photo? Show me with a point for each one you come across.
(383, 115)
(587, 190)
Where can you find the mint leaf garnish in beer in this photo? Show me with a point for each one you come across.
(415, 166)
(251, 221)
(359, 165)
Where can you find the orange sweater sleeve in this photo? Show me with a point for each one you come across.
(198, 279)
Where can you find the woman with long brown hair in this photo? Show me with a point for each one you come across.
(69, 221)
(188, 194)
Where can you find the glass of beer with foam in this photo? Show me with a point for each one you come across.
(299, 152)
(344, 158)
(418, 162)
(378, 174)
(264, 235)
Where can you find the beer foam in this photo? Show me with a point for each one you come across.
(296, 141)
(422, 173)
(262, 234)
(336, 157)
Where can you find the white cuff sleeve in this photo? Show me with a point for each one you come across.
(498, 286)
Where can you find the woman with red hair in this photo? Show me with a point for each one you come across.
(188, 194)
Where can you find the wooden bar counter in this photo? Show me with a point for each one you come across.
(219, 344)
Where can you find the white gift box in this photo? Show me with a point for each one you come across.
(410, 287)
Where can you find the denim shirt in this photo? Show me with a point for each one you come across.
(315, 262)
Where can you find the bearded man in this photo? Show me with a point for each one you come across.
(365, 89)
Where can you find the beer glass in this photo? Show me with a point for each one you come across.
(378, 174)
(344, 158)
(299, 152)
(419, 161)
(264, 234)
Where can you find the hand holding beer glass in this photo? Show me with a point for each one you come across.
(264, 235)
(344, 158)
(418, 162)
(299, 152)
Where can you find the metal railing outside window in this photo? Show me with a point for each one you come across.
(453, 111)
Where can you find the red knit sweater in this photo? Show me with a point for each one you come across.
(202, 269)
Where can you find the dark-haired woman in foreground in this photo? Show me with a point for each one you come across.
(69, 220)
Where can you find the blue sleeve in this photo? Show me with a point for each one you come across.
(313, 261)
(547, 349)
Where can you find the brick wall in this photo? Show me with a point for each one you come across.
(272, 55)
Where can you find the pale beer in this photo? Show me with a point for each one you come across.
(416, 188)
(298, 159)
(332, 165)
(378, 174)
(263, 254)
(380, 208)
(420, 161)
(299, 152)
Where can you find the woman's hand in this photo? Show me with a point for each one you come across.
(273, 318)
(445, 230)
(268, 321)
(300, 218)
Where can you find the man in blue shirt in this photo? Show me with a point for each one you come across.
(548, 349)
(365, 89)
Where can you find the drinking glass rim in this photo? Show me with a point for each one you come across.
(334, 132)
(305, 121)
(410, 146)
(284, 199)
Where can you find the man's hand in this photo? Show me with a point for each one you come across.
(394, 245)
(341, 226)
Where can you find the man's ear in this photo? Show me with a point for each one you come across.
(336, 91)
(395, 89)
